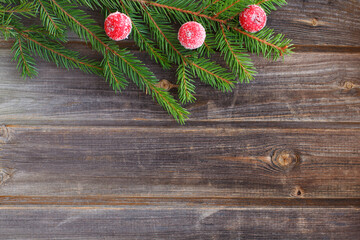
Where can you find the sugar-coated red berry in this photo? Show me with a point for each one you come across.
(253, 18)
(192, 35)
(118, 26)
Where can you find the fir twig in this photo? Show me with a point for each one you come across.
(26, 63)
(50, 22)
(46, 50)
(235, 57)
(133, 68)
(281, 50)
(153, 31)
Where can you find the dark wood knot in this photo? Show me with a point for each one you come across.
(5, 174)
(4, 134)
(298, 192)
(285, 159)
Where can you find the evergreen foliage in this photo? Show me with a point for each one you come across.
(155, 25)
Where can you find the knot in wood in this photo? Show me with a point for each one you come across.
(297, 192)
(315, 22)
(4, 134)
(5, 174)
(285, 159)
(349, 85)
(165, 84)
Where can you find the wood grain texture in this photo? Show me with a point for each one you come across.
(318, 22)
(320, 87)
(181, 162)
(276, 159)
(177, 223)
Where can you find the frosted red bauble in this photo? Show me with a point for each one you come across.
(192, 35)
(118, 26)
(253, 18)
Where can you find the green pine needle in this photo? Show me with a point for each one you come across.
(25, 61)
(234, 55)
(186, 84)
(155, 26)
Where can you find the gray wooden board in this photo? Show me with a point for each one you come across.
(177, 223)
(318, 22)
(179, 162)
(276, 159)
(308, 87)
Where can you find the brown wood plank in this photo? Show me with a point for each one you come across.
(177, 223)
(310, 87)
(171, 162)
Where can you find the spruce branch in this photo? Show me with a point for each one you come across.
(251, 39)
(49, 20)
(153, 31)
(54, 52)
(176, 10)
(165, 36)
(228, 8)
(207, 49)
(238, 61)
(132, 67)
(97, 4)
(6, 28)
(209, 5)
(186, 84)
(22, 54)
(143, 39)
(269, 5)
(25, 9)
(265, 42)
(213, 74)
(113, 73)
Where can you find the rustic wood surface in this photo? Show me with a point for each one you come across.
(178, 223)
(278, 158)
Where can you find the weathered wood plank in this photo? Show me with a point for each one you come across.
(319, 22)
(177, 223)
(180, 162)
(322, 87)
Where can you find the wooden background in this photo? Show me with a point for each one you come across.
(276, 159)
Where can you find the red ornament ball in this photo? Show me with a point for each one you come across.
(192, 35)
(253, 18)
(118, 26)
